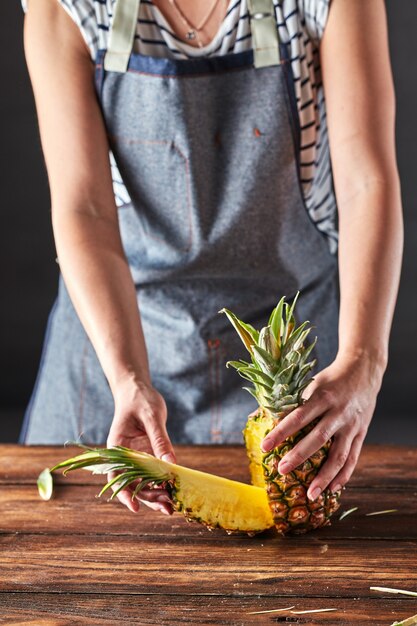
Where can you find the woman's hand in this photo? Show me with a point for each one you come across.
(140, 423)
(362, 146)
(344, 396)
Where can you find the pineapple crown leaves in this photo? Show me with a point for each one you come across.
(131, 464)
(246, 332)
(279, 358)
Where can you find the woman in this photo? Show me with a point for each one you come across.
(228, 198)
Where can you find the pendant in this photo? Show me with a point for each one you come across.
(190, 34)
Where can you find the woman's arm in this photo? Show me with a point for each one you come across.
(361, 114)
(85, 221)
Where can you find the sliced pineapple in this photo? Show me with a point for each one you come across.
(219, 502)
(211, 500)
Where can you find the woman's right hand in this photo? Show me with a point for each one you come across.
(140, 423)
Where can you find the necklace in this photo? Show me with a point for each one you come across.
(192, 30)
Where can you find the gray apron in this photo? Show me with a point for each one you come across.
(208, 150)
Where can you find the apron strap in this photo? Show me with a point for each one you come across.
(122, 33)
(262, 20)
(264, 33)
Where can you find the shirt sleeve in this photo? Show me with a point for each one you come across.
(315, 14)
(84, 15)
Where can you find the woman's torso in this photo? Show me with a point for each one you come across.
(226, 263)
(301, 24)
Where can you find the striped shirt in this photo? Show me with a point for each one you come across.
(300, 23)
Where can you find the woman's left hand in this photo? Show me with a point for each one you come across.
(344, 396)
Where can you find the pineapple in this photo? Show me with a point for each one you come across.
(211, 500)
(279, 371)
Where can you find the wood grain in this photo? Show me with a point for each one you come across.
(153, 610)
(378, 466)
(248, 566)
(77, 559)
(76, 509)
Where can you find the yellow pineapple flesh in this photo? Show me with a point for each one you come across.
(219, 502)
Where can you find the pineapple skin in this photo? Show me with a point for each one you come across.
(292, 511)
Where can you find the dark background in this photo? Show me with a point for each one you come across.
(29, 272)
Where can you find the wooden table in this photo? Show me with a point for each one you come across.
(77, 559)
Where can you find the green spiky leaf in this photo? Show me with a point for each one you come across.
(268, 342)
(258, 375)
(237, 364)
(245, 331)
(276, 321)
(265, 360)
(252, 392)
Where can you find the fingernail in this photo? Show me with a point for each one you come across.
(163, 510)
(267, 445)
(336, 488)
(169, 457)
(314, 494)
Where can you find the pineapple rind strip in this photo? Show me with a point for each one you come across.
(313, 611)
(348, 512)
(391, 590)
(287, 608)
(381, 512)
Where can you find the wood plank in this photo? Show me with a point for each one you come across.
(379, 466)
(184, 565)
(76, 509)
(77, 559)
(385, 466)
(153, 610)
